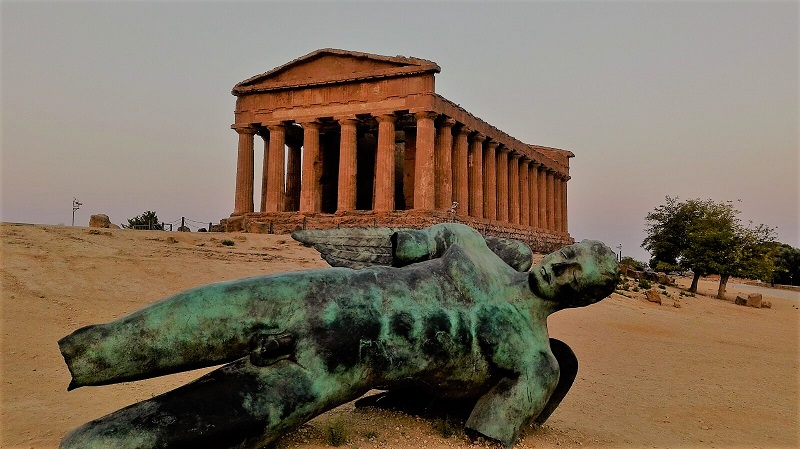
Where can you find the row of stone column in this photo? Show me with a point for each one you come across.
(452, 164)
(500, 184)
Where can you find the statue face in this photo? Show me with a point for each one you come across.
(577, 275)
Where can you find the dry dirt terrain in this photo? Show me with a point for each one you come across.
(706, 374)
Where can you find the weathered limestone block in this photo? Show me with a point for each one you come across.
(113, 226)
(740, 300)
(754, 300)
(766, 305)
(184, 229)
(662, 278)
(99, 221)
(652, 295)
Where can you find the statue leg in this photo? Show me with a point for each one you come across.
(568, 366)
(239, 405)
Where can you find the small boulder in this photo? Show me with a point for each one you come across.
(754, 300)
(664, 279)
(652, 295)
(766, 305)
(113, 226)
(184, 229)
(99, 221)
(740, 300)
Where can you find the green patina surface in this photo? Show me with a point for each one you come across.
(451, 319)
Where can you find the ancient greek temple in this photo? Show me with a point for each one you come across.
(357, 139)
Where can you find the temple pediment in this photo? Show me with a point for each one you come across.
(331, 66)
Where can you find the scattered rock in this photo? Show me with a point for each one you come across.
(184, 229)
(99, 221)
(652, 295)
(662, 278)
(766, 305)
(754, 300)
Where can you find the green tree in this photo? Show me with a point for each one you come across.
(708, 238)
(633, 263)
(787, 265)
(148, 220)
(669, 234)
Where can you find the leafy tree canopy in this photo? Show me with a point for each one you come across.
(787, 265)
(631, 262)
(707, 237)
(148, 220)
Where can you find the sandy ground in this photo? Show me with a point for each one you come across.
(707, 374)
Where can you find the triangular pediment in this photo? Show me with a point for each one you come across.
(331, 66)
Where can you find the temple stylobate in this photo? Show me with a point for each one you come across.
(356, 139)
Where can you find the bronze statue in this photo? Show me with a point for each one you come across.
(451, 319)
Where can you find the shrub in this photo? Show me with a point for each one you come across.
(445, 427)
(336, 434)
(227, 242)
(148, 220)
(370, 435)
(644, 284)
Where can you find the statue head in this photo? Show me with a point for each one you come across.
(577, 275)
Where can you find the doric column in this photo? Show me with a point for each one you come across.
(384, 164)
(490, 180)
(311, 189)
(524, 188)
(347, 165)
(476, 175)
(533, 195)
(293, 176)
(557, 202)
(275, 178)
(243, 201)
(542, 193)
(502, 183)
(513, 187)
(424, 165)
(564, 222)
(264, 133)
(551, 200)
(461, 170)
(444, 163)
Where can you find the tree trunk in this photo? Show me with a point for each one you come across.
(723, 282)
(695, 279)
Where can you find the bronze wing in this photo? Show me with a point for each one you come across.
(363, 247)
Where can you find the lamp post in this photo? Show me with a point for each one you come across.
(75, 206)
(620, 252)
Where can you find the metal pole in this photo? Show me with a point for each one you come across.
(183, 223)
(75, 206)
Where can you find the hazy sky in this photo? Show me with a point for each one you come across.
(127, 106)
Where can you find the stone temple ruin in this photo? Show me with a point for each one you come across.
(357, 139)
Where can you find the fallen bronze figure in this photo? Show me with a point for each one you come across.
(450, 319)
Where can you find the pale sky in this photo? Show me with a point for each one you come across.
(127, 106)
